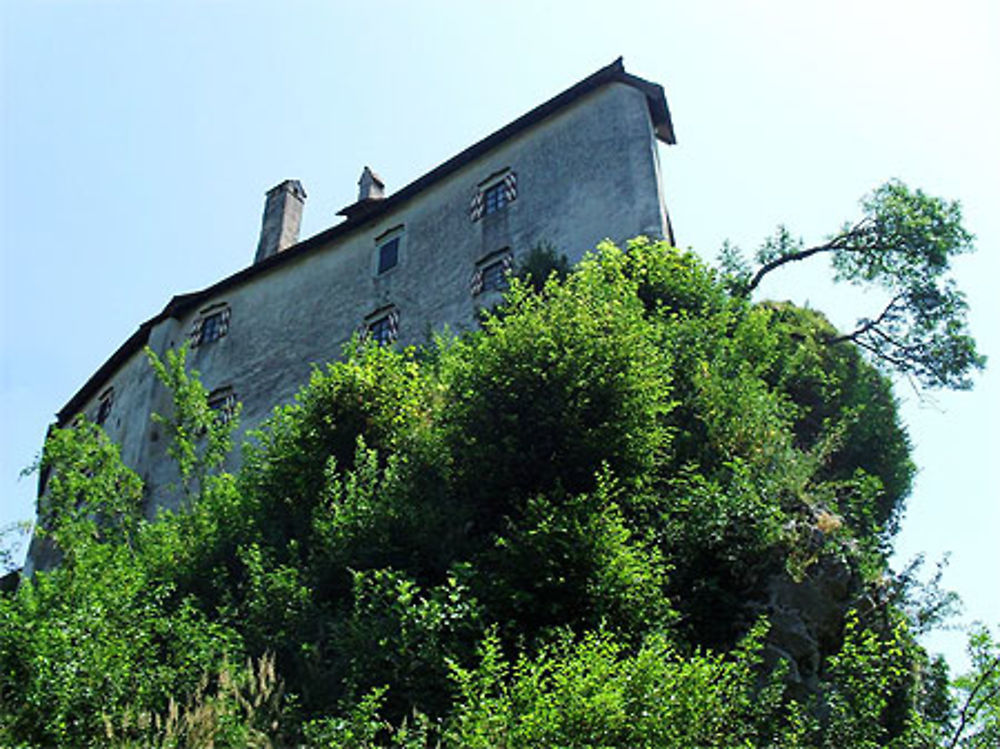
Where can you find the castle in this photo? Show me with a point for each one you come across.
(573, 171)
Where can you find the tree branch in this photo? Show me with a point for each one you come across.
(879, 354)
(868, 325)
(904, 353)
(790, 258)
(897, 345)
(964, 716)
(837, 243)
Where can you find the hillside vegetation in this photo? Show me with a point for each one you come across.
(633, 509)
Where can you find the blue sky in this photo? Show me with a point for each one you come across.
(138, 139)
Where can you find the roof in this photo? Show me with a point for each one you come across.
(179, 305)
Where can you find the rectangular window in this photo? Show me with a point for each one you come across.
(388, 255)
(211, 328)
(384, 329)
(494, 194)
(223, 402)
(492, 273)
(494, 198)
(495, 276)
(212, 325)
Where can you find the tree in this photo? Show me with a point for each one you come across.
(563, 528)
(978, 720)
(845, 412)
(199, 439)
(90, 495)
(903, 244)
(103, 635)
(540, 263)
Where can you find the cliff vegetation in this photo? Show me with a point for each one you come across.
(633, 509)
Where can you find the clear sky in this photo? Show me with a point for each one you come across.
(138, 139)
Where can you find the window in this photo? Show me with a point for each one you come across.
(495, 276)
(493, 195)
(211, 325)
(388, 250)
(491, 272)
(104, 405)
(211, 328)
(388, 255)
(223, 402)
(494, 198)
(383, 326)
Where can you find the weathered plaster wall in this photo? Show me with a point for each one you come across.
(586, 173)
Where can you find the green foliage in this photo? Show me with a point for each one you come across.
(572, 560)
(903, 245)
(403, 636)
(539, 264)
(199, 439)
(556, 387)
(978, 719)
(862, 676)
(236, 708)
(359, 725)
(723, 545)
(843, 412)
(97, 637)
(373, 516)
(89, 492)
(561, 529)
(906, 237)
(105, 635)
(375, 393)
(356, 726)
(592, 691)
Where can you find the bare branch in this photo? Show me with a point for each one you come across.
(904, 353)
(897, 345)
(868, 325)
(790, 258)
(837, 243)
(880, 354)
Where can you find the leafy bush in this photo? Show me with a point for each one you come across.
(598, 490)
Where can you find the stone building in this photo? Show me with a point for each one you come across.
(575, 170)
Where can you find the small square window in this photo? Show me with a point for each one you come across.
(492, 273)
(388, 255)
(495, 196)
(495, 276)
(384, 329)
(211, 326)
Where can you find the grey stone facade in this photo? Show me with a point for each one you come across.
(580, 168)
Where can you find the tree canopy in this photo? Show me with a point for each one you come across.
(633, 509)
(903, 244)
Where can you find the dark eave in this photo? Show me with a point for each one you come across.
(362, 208)
(180, 305)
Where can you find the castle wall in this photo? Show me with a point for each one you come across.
(588, 172)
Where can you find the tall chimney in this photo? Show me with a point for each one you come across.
(282, 217)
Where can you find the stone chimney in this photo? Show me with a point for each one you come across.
(279, 229)
(371, 191)
(370, 186)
